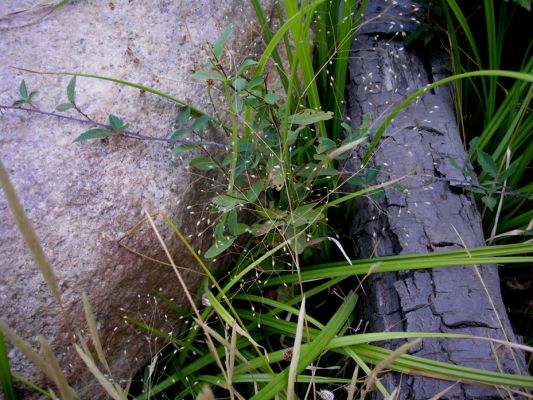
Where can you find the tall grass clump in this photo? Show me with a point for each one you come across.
(281, 324)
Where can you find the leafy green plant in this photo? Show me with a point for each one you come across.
(25, 96)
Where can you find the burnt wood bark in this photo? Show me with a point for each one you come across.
(432, 213)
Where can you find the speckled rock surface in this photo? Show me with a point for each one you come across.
(82, 197)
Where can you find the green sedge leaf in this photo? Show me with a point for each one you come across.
(23, 90)
(64, 106)
(116, 123)
(93, 134)
(179, 133)
(218, 47)
(487, 163)
(219, 247)
(71, 88)
(308, 116)
(271, 98)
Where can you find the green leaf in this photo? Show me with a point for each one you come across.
(453, 163)
(93, 134)
(183, 115)
(308, 116)
(487, 163)
(204, 164)
(472, 146)
(64, 106)
(179, 133)
(245, 65)
(116, 123)
(23, 90)
(305, 215)
(325, 144)
(219, 246)
(271, 98)
(372, 174)
(182, 148)
(33, 93)
(226, 202)
(71, 88)
(232, 222)
(19, 102)
(219, 230)
(255, 82)
(255, 190)
(203, 75)
(508, 172)
(241, 228)
(490, 202)
(200, 122)
(218, 47)
(240, 84)
(524, 3)
(238, 103)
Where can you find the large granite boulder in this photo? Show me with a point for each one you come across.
(82, 197)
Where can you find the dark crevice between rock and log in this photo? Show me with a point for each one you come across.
(431, 213)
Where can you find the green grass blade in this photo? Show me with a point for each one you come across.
(5, 372)
(312, 351)
(268, 36)
(509, 74)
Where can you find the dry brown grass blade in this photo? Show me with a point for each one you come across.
(293, 368)
(443, 392)
(31, 239)
(353, 383)
(94, 332)
(25, 348)
(115, 392)
(209, 340)
(66, 392)
(371, 379)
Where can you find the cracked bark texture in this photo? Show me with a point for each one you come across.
(432, 213)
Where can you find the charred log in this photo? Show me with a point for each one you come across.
(431, 212)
